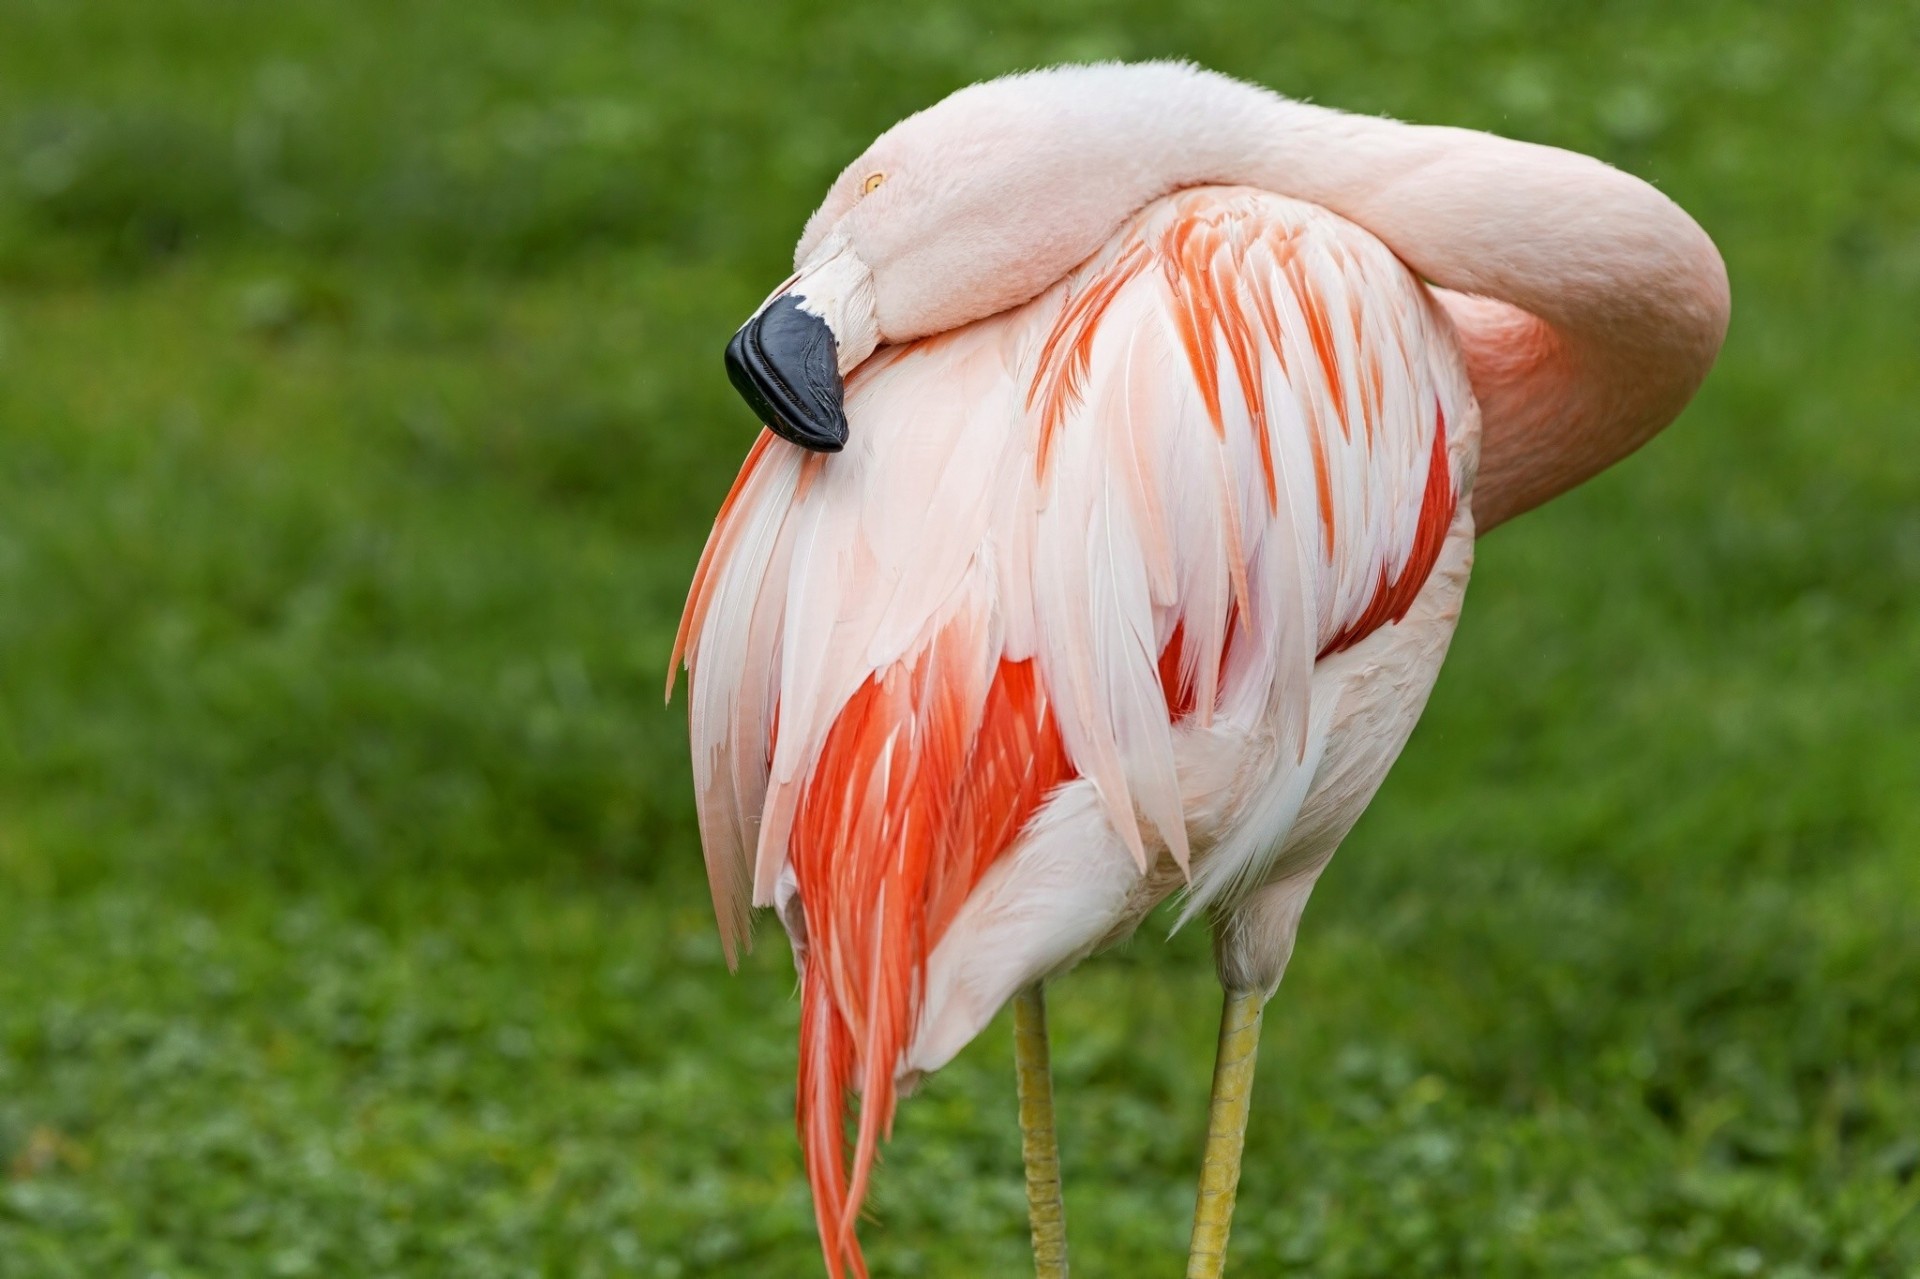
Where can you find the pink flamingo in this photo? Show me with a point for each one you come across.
(1123, 559)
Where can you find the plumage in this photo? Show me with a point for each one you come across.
(1155, 410)
(973, 605)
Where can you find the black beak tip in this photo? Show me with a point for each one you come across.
(785, 364)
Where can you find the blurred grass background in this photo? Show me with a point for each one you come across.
(361, 417)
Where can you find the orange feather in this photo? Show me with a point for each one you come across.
(919, 786)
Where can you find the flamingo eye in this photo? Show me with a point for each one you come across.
(872, 183)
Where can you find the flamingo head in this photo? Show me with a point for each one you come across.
(973, 206)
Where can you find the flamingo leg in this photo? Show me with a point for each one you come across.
(1227, 1113)
(1046, 1208)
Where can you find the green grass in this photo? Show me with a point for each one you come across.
(360, 418)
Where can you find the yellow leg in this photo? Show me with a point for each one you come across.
(1226, 1133)
(1046, 1209)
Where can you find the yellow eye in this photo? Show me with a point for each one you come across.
(872, 183)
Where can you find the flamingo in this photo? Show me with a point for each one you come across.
(1129, 431)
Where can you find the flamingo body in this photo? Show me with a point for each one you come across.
(1138, 586)
(1144, 422)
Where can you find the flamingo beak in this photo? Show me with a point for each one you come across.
(785, 365)
(790, 360)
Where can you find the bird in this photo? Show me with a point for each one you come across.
(1128, 431)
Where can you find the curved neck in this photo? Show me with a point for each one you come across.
(1589, 305)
